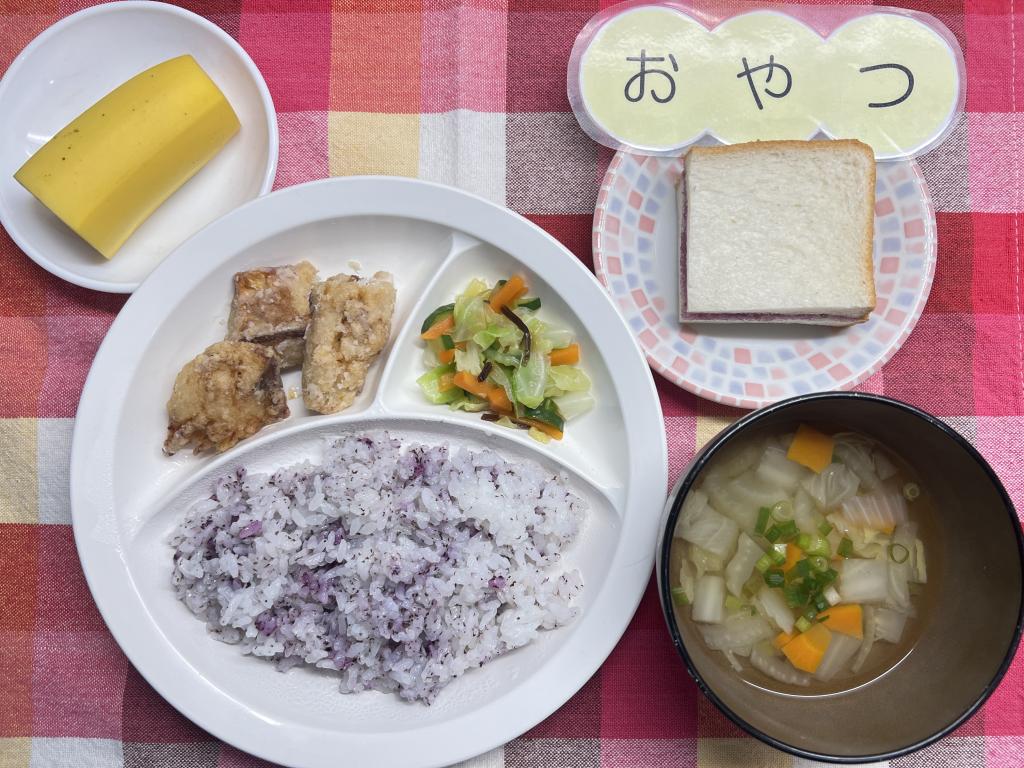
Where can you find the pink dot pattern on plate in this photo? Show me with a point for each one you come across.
(637, 198)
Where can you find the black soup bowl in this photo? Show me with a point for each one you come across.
(966, 641)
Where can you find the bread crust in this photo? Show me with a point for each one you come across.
(812, 145)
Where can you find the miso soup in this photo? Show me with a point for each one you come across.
(802, 559)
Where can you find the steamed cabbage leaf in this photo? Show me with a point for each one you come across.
(737, 631)
(742, 564)
(764, 658)
(855, 452)
(574, 404)
(701, 525)
(470, 316)
(567, 378)
(501, 331)
(777, 470)
(864, 581)
(470, 358)
(555, 338)
(528, 380)
(703, 561)
(832, 487)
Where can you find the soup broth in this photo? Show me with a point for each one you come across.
(803, 559)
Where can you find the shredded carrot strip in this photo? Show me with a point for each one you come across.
(440, 328)
(446, 356)
(467, 381)
(499, 400)
(514, 287)
(547, 429)
(566, 355)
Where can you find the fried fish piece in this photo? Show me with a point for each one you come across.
(229, 392)
(350, 325)
(271, 307)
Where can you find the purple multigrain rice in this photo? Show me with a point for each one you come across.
(401, 568)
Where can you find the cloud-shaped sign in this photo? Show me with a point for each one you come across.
(654, 79)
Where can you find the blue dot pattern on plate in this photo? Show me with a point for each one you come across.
(751, 365)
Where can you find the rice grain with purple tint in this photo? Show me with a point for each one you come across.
(399, 567)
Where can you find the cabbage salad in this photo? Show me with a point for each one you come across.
(800, 557)
(489, 352)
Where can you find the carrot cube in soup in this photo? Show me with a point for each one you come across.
(781, 639)
(848, 619)
(793, 556)
(811, 448)
(806, 650)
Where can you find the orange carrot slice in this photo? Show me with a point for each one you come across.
(806, 650)
(566, 355)
(811, 448)
(446, 356)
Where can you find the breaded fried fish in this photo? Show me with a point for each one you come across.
(271, 307)
(350, 325)
(227, 393)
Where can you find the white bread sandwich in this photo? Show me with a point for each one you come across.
(778, 231)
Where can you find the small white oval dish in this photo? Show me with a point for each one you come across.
(80, 59)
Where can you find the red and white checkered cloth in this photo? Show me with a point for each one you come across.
(473, 94)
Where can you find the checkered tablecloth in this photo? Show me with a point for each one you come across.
(473, 94)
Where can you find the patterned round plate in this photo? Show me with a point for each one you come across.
(747, 365)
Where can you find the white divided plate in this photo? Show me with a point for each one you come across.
(80, 59)
(126, 496)
(749, 365)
